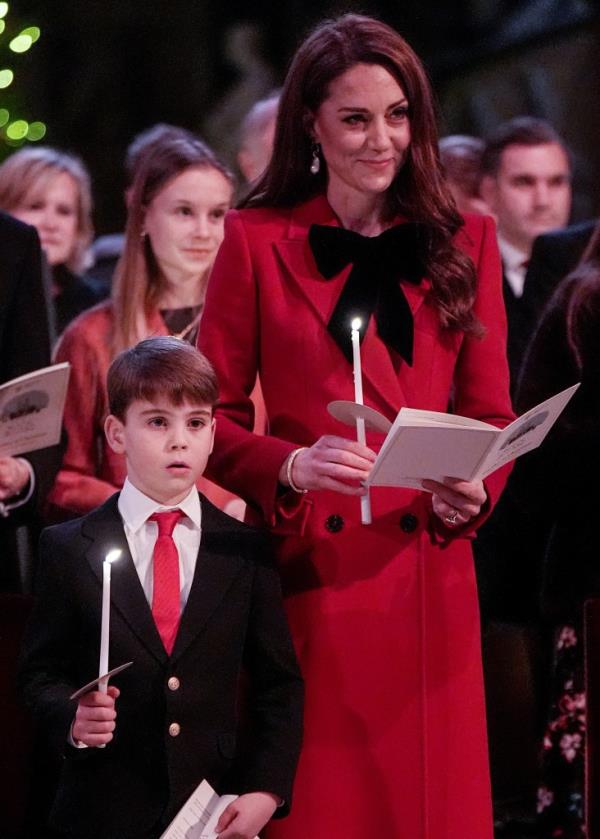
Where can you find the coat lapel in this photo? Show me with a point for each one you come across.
(217, 566)
(105, 528)
(322, 295)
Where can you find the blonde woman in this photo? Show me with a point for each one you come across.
(51, 190)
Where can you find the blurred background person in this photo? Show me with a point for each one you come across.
(106, 250)
(257, 134)
(461, 158)
(25, 337)
(551, 503)
(526, 183)
(179, 198)
(51, 190)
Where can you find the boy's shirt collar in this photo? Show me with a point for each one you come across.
(136, 508)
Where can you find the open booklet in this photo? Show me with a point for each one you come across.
(31, 410)
(429, 444)
(198, 817)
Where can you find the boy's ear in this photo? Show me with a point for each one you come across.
(113, 429)
(213, 425)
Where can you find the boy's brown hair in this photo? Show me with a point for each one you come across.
(161, 366)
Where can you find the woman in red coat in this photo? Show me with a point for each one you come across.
(353, 217)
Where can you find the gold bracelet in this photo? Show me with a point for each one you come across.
(288, 470)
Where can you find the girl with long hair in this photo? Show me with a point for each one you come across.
(181, 192)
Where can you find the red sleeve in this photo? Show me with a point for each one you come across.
(481, 381)
(248, 464)
(76, 489)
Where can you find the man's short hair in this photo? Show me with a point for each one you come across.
(520, 131)
(161, 367)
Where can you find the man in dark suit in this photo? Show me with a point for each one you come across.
(195, 604)
(526, 182)
(25, 338)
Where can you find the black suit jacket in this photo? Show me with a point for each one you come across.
(25, 338)
(233, 623)
(553, 256)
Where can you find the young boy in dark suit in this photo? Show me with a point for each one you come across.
(195, 603)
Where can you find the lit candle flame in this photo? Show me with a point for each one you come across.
(113, 555)
(356, 324)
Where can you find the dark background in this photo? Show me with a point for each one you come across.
(103, 70)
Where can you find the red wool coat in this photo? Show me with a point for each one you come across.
(384, 617)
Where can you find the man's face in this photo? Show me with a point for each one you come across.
(531, 192)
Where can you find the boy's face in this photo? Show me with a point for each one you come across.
(166, 446)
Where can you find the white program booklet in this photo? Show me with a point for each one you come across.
(198, 817)
(429, 444)
(31, 410)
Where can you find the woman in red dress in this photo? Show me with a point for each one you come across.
(353, 217)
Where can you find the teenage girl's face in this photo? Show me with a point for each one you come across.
(184, 223)
(363, 127)
(52, 210)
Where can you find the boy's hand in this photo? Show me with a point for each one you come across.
(247, 815)
(95, 718)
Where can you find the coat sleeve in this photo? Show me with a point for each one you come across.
(46, 675)
(276, 689)
(481, 380)
(77, 489)
(245, 463)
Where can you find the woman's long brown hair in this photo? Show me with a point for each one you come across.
(418, 191)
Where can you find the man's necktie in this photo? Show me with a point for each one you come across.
(165, 564)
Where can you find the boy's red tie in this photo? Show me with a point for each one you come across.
(165, 562)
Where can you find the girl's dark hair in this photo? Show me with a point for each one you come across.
(418, 191)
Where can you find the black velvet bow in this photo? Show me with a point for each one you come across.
(373, 286)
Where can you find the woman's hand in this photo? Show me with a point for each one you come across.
(14, 477)
(456, 502)
(331, 463)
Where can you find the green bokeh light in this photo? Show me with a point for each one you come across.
(4, 117)
(32, 32)
(3, 9)
(20, 43)
(17, 130)
(2, 26)
(6, 77)
(36, 131)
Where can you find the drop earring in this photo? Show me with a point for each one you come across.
(315, 164)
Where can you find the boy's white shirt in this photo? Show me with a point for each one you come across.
(135, 509)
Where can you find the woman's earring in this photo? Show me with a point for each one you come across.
(315, 163)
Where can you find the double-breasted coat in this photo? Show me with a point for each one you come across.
(384, 617)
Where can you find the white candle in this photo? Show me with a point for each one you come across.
(358, 389)
(365, 501)
(111, 556)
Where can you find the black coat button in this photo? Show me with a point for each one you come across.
(409, 523)
(334, 523)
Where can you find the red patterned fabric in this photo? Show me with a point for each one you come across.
(165, 564)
